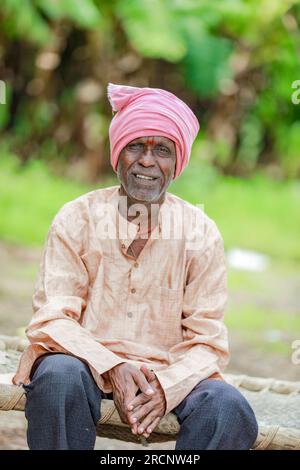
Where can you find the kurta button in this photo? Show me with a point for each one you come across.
(129, 314)
(136, 265)
(133, 291)
(123, 246)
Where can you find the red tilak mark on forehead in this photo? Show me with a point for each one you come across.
(150, 142)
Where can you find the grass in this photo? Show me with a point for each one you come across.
(257, 213)
(254, 319)
(245, 280)
(263, 308)
(257, 325)
(29, 199)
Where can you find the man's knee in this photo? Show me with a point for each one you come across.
(223, 397)
(221, 392)
(60, 369)
(219, 400)
(63, 396)
(228, 407)
(215, 415)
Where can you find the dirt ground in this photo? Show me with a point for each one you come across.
(17, 279)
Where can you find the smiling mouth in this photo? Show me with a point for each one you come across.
(144, 179)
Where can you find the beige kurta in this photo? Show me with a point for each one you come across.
(93, 300)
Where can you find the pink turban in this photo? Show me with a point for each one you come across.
(145, 112)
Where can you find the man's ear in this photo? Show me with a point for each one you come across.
(118, 166)
(175, 168)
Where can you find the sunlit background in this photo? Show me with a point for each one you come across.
(236, 63)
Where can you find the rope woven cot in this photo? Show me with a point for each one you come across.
(276, 404)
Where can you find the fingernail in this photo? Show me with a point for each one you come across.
(141, 430)
(130, 407)
(133, 420)
(149, 391)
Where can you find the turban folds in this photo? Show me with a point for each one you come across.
(142, 112)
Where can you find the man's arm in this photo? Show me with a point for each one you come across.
(60, 298)
(58, 302)
(204, 349)
(203, 352)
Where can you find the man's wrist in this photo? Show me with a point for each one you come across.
(106, 375)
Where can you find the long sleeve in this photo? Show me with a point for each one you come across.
(204, 349)
(60, 299)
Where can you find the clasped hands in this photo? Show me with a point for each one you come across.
(141, 411)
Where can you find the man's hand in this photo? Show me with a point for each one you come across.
(146, 411)
(126, 379)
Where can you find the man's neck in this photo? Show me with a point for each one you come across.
(152, 216)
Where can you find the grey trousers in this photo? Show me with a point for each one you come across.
(63, 407)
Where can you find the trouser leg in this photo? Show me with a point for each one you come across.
(215, 415)
(62, 405)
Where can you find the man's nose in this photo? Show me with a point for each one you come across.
(147, 158)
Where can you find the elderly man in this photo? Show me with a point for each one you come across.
(126, 307)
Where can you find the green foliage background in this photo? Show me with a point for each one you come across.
(233, 61)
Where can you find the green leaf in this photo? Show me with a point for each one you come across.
(151, 28)
(84, 13)
(206, 63)
(287, 144)
(5, 92)
(251, 142)
(25, 22)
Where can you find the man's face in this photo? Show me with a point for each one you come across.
(152, 157)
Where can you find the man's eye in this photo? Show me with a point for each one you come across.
(163, 149)
(135, 146)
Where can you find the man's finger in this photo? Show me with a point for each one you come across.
(147, 422)
(152, 426)
(123, 399)
(142, 411)
(131, 415)
(134, 427)
(137, 401)
(149, 373)
(142, 383)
